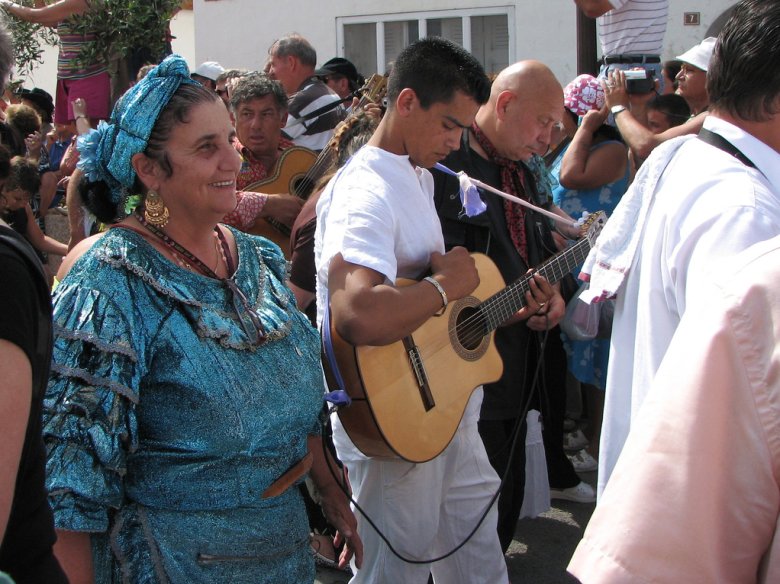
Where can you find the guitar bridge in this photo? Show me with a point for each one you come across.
(419, 371)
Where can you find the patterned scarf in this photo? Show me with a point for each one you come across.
(513, 181)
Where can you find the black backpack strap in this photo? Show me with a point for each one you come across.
(720, 142)
(43, 339)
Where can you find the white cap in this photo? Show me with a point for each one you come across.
(209, 70)
(699, 56)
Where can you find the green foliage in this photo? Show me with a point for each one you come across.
(28, 40)
(123, 25)
(119, 26)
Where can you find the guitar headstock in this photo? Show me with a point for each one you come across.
(373, 89)
(593, 226)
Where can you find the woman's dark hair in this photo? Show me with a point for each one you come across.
(97, 195)
(23, 175)
(743, 78)
(435, 69)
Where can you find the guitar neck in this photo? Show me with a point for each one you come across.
(501, 306)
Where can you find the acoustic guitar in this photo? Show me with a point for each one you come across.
(299, 169)
(409, 397)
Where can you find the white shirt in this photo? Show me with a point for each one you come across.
(707, 206)
(695, 496)
(633, 27)
(378, 212)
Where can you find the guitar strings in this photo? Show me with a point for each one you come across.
(476, 326)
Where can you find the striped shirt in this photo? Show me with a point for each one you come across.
(71, 42)
(316, 132)
(634, 27)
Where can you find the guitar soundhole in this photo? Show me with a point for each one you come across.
(302, 186)
(470, 328)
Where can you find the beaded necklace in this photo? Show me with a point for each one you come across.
(248, 318)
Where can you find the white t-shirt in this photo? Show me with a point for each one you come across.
(707, 206)
(634, 27)
(378, 212)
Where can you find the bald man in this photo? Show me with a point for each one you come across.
(502, 149)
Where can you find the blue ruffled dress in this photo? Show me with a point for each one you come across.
(164, 425)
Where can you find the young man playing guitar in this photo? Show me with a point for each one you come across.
(377, 222)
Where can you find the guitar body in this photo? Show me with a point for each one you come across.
(392, 413)
(289, 172)
(409, 397)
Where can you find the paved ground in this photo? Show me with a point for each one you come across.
(541, 548)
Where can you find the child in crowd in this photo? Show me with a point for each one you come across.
(22, 183)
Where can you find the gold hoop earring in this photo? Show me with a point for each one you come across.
(155, 211)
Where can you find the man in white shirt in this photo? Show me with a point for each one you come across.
(377, 222)
(695, 202)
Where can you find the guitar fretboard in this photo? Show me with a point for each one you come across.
(501, 306)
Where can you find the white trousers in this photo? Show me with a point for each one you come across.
(425, 510)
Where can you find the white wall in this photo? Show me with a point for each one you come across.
(237, 33)
(544, 29)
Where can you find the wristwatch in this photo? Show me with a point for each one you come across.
(616, 109)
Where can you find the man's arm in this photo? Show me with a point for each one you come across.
(639, 138)
(15, 397)
(594, 8)
(366, 311)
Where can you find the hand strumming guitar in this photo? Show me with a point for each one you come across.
(455, 272)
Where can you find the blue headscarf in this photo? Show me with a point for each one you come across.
(106, 153)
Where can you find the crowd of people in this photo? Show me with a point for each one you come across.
(172, 413)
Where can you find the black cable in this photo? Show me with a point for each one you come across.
(516, 432)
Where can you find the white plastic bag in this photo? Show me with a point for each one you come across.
(536, 497)
(584, 321)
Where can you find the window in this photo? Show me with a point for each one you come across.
(373, 42)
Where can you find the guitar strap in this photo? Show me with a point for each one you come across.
(330, 355)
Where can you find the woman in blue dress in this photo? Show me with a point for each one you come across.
(185, 393)
(593, 174)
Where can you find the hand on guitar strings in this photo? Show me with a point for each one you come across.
(545, 306)
(456, 272)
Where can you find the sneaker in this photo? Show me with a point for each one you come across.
(583, 462)
(574, 441)
(582, 493)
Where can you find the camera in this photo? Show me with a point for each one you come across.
(639, 81)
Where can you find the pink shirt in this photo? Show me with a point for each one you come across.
(695, 494)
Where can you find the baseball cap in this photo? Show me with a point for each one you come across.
(339, 66)
(699, 56)
(209, 70)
